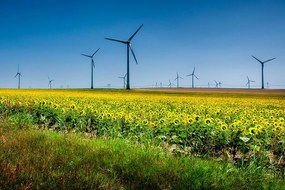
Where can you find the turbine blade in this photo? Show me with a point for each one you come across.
(196, 77)
(257, 59)
(269, 60)
(193, 71)
(95, 52)
(189, 75)
(121, 41)
(130, 46)
(86, 55)
(135, 33)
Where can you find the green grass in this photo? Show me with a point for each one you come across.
(42, 159)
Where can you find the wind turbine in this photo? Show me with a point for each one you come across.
(92, 65)
(217, 84)
(177, 79)
(129, 47)
(262, 68)
(19, 77)
(248, 82)
(220, 83)
(170, 84)
(124, 78)
(193, 75)
(49, 82)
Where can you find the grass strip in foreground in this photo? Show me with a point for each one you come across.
(33, 159)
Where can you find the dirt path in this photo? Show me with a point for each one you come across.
(218, 90)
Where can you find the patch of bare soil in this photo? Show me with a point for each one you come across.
(217, 90)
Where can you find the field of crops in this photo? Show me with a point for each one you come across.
(236, 128)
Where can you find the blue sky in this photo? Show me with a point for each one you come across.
(218, 37)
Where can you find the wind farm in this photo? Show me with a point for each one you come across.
(140, 95)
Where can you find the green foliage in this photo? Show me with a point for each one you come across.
(44, 159)
(240, 129)
(21, 120)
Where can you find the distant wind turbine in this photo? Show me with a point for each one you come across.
(170, 84)
(19, 77)
(92, 65)
(217, 84)
(124, 79)
(129, 47)
(220, 83)
(193, 75)
(248, 82)
(49, 82)
(262, 68)
(177, 79)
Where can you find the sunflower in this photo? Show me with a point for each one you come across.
(190, 120)
(252, 131)
(223, 127)
(207, 120)
(161, 121)
(176, 121)
(73, 106)
(82, 112)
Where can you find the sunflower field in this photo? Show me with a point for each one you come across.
(236, 128)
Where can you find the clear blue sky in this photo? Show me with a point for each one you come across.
(218, 37)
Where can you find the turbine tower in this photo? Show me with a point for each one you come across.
(92, 65)
(49, 82)
(193, 75)
(124, 79)
(177, 79)
(248, 82)
(262, 68)
(19, 77)
(129, 47)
